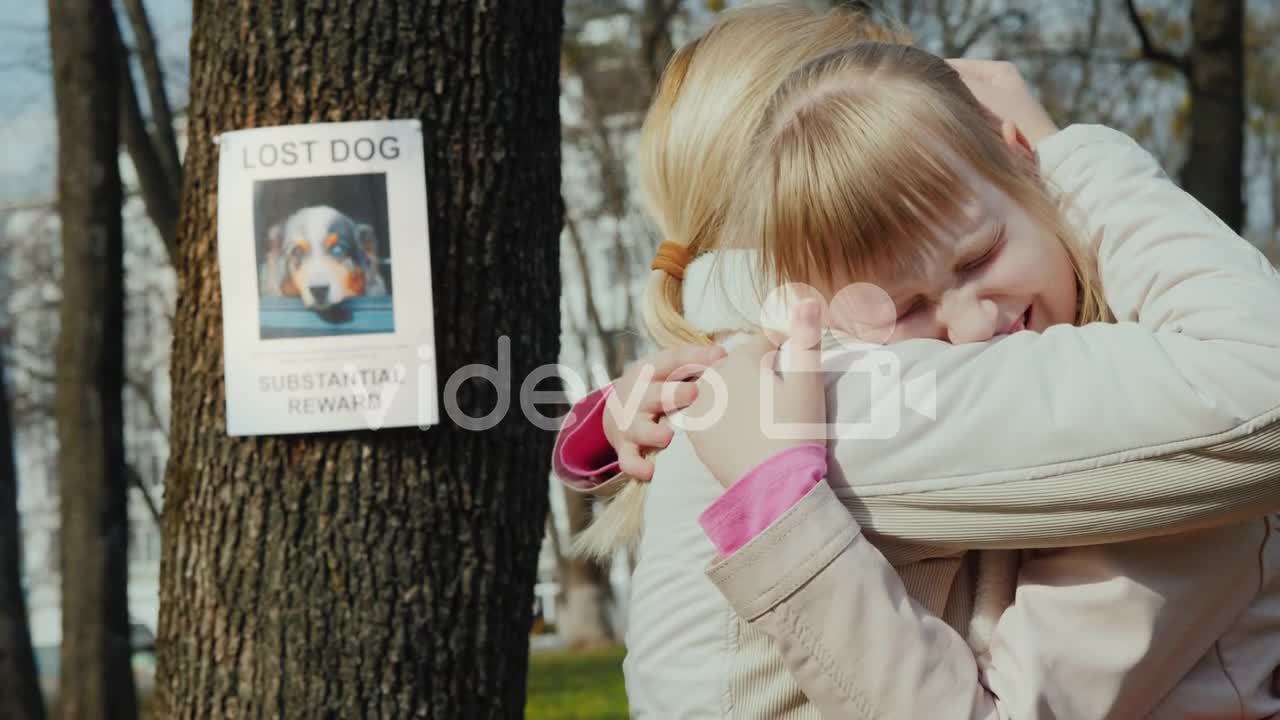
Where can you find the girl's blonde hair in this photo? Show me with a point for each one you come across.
(850, 171)
(694, 144)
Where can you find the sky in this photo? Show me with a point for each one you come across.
(27, 128)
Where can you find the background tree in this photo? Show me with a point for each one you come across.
(1262, 55)
(1214, 69)
(96, 678)
(613, 54)
(20, 697)
(388, 573)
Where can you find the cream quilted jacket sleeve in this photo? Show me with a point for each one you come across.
(1165, 421)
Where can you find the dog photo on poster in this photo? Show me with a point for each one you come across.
(324, 254)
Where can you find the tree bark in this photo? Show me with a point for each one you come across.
(96, 680)
(1214, 170)
(20, 697)
(389, 573)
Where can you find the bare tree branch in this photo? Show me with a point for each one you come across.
(1149, 50)
(1086, 66)
(166, 144)
(159, 194)
(987, 25)
(31, 364)
(136, 480)
(946, 31)
(656, 36)
(598, 141)
(593, 313)
(148, 398)
(579, 12)
(1074, 54)
(907, 12)
(28, 409)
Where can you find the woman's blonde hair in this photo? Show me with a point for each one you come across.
(694, 144)
(850, 171)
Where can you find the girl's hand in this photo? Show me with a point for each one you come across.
(653, 386)
(748, 410)
(1000, 87)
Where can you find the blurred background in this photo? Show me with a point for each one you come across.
(1124, 63)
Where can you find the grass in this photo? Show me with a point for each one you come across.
(563, 685)
(567, 685)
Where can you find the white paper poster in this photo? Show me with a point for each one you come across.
(326, 278)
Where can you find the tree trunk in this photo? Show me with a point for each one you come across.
(389, 573)
(583, 620)
(96, 680)
(20, 697)
(1214, 170)
(585, 596)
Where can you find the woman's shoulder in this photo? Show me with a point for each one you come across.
(1098, 141)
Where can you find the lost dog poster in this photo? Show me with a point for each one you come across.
(326, 278)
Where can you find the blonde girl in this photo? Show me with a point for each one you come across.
(961, 239)
(1085, 477)
(692, 146)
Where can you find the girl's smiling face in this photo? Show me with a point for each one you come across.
(989, 270)
(880, 180)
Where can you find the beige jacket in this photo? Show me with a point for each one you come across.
(1175, 432)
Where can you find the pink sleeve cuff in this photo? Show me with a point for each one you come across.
(582, 456)
(761, 496)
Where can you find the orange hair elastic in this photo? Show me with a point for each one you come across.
(671, 258)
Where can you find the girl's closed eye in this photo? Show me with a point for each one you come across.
(915, 305)
(987, 255)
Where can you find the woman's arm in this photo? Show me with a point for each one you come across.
(1163, 422)
(1093, 632)
(1100, 632)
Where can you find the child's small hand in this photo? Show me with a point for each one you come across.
(760, 400)
(1000, 87)
(655, 385)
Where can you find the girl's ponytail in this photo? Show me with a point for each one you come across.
(615, 525)
(618, 519)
